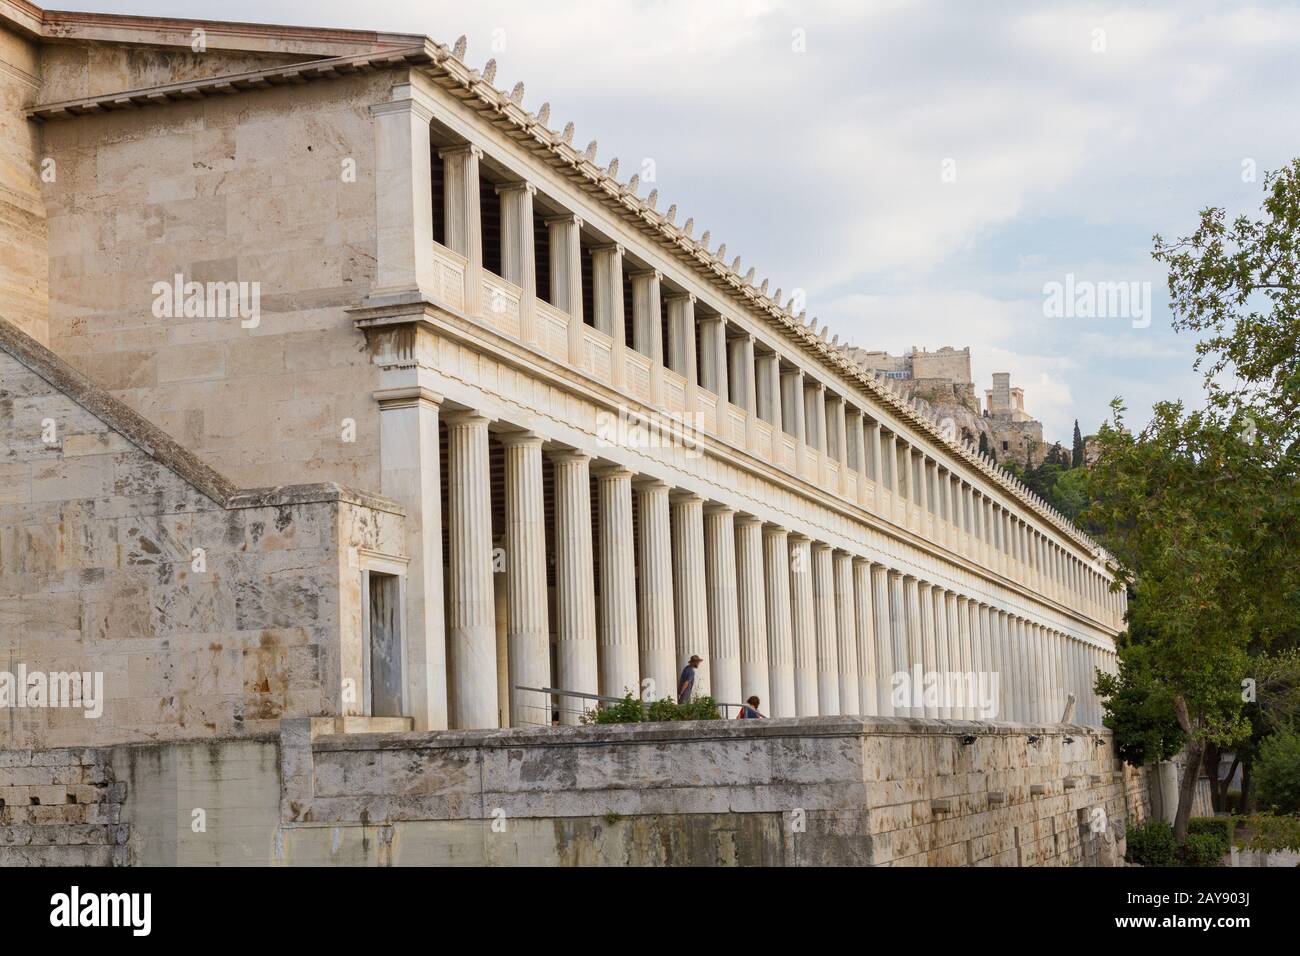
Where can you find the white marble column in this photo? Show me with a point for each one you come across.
(620, 670)
(803, 620)
(751, 606)
(690, 601)
(410, 475)
(939, 655)
(780, 633)
(576, 658)
(868, 666)
(960, 655)
(724, 624)
(886, 663)
(681, 346)
(1007, 667)
(471, 610)
(564, 239)
(1020, 646)
(915, 644)
(828, 679)
(657, 623)
(462, 220)
(846, 632)
(607, 303)
(528, 636)
(518, 257)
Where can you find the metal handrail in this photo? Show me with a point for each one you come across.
(604, 698)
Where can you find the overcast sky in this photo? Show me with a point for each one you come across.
(921, 169)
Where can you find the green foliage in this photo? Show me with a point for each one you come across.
(1076, 451)
(1202, 849)
(1151, 844)
(1277, 772)
(1140, 710)
(629, 710)
(1273, 832)
(1219, 828)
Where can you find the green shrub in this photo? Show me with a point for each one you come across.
(1274, 832)
(1202, 849)
(1277, 772)
(629, 710)
(1151, 844)
(1218, 827)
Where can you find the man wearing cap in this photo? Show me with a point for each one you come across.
(686, 683)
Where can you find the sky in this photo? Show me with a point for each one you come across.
(927, 173)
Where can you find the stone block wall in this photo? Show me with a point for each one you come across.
(24, 262)
(208, 611)
(61, 808)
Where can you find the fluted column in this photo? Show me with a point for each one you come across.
(681, 346)
(607, 303)
(564, 239)
(803, 621)
(960, 654)
(915, 646)
(1020, 648)
(885, 639)
(576, 659)
(936, 647)
(846, 633)
(724, 623)
(751, 605)
(518, 257)
(462, 222)
(527, 621)
(1006, 668)
(471, 610)
(828, 660)
(619, 655)
(656, 617)
(690, 602)
(868, 666)
(780, 632)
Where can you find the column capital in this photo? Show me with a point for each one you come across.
(517, 186)
(569, 454)
(746, 520)
(683, 496)
(568, 218)
(771, 530)
(464, 149)
(614, 247)
(520, 436)
(607, 469)
(821, 546)
(673, 295)
(645, 274)
(797, 537)
(407, 397)
(465, 416)
(717, 508)
(416, 106)
(649, 483)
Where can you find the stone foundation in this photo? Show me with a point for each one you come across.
(807, 791)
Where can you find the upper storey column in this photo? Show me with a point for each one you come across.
(792, 399)
(647, 334)
(767, 391)
(564, 236)
(461, 216)
(713, 363)
(607, 303)
(681, 341)
(403, 195)
(518, 258)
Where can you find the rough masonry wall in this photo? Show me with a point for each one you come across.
(24, 262)
(256, 187)
(61, 808)
(204, 620)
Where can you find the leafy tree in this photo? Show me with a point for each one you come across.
(1076, 454)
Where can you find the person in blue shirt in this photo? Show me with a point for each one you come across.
(750, 710)
(686, 683)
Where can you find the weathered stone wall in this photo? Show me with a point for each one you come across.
(24, 261)
(807, 791)
(952, 365)
(258, 187)
(61, 808)
(205, 618)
